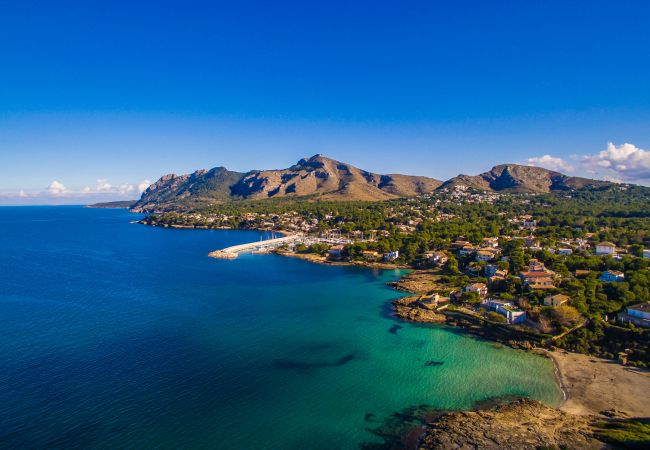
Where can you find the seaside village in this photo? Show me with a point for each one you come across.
(472, 278)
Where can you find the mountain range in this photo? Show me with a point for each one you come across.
(322, 178)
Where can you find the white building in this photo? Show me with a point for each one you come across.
(390, 256)
(605, 248)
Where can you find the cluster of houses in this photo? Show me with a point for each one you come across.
(537, 277)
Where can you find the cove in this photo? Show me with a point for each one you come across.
(120, 335)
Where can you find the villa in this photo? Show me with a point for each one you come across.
(390, 256)
(484, 255)
(612, 276)
(479, 288)
(605, 248)
(434, 301)
(436, 257)
(369, 255)
(638, 315)
(556, 300)
(466, 250)
(537, 280)
(507, 309)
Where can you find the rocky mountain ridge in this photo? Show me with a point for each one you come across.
(317, 178)
(518, 178)
(322, 178)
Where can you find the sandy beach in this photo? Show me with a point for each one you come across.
(593, 385)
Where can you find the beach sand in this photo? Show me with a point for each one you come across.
(594, 385)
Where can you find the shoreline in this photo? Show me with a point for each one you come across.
(620, 391)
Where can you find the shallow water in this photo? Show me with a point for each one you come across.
(121, 335)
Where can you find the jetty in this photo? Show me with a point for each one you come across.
(256, 247)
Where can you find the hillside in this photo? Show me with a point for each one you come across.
(315, 178)
(517, 178)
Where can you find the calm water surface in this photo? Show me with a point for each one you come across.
(120, 335)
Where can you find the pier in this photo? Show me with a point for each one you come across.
(235, 250)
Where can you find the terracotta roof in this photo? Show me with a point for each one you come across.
(535, 274)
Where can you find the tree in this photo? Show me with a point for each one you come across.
(451, 266)
(565, 316)
(496, 317)
(471, 298)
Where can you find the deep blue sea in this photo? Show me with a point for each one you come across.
(119, 335)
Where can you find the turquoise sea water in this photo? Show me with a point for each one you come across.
(120, 335)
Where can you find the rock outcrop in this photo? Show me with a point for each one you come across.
(521, 424)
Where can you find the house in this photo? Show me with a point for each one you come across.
(498, 275)
(605, 248)
(612, 276)
(335, 251)
(507, 309)
(436, 257)
(492, 242)
(479, 288)
(556, 300)
(466, 250)
(581, 273)
(369, 255)
(434, 301)
(638, 315)
(537, 280)
(390, 256)
(536, 265)
(484, 255)
(490, 270)
(646, 253)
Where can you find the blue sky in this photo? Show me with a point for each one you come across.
(102, 97)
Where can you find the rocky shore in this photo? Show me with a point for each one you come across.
(410, 308)
(521, 424)
(417, 282)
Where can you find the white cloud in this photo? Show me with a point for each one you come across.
(143, 185)
(56, 188)
(551, 162)
(104, 186)
(625, 161)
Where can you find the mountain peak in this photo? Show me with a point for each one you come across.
(522, 178)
